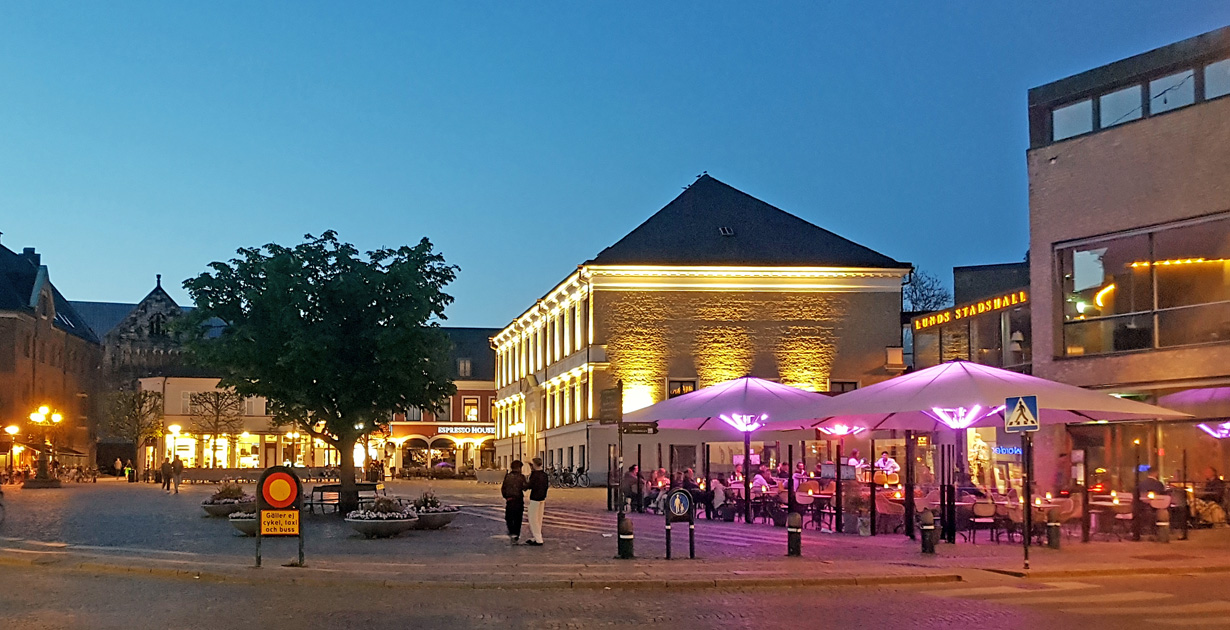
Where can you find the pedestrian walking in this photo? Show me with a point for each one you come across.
(513, 491)
(538, 484)
(119, 467)
(177, 472)
(166, 471)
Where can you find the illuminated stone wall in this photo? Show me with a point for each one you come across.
(803, 338)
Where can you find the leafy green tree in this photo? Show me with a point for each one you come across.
(335, 341)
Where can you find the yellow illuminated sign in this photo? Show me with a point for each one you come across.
(970, 310)
(279, 522)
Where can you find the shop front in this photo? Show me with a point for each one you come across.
(422, 447)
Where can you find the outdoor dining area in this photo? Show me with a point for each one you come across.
(804, 464)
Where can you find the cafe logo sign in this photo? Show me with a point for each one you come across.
(969, 310)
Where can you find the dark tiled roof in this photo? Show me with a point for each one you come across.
(711, 223)
(473, 344)
(101, 317)
(18, 273)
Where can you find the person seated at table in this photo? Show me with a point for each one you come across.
(763, 479)
(800, 474)
(856, 461)
(736, 477)
(782, 472)
(818, 473)
(630, 485)
(886, 464)
(700, 496)
(719, 492)
(1214, 487)
(1151, 484)
(676, 481)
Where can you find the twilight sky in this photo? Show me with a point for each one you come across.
(522, 138)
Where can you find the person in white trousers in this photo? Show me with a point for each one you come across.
(538, 484)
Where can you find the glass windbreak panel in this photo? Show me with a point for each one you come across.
(1192, 264)
(1109, 277)
(1102, 336)
(1120, 107)
(985, 331)
(927, 348)
(1019, 341)
(1191, 325)
(1217, 79)
(1072, 120)
(1172, 92)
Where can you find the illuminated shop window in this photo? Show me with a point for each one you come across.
(469, 408)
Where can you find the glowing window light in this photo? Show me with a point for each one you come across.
(744, 422)
(843, 430)
(962, 418)
(1221, 431)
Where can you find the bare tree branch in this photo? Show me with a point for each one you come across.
(925, 292)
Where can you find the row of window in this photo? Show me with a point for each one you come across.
(251, 406)
(556, 336)
(1154, 288)
(1144, 99)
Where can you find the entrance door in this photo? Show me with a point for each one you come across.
(271, 454)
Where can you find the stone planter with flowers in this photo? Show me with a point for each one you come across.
(432, 512)
(229, 498)
(385, 519)
(245, 522)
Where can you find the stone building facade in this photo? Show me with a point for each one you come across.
(48, 357)
(715, 286)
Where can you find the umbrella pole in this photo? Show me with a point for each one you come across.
(837, 508)
(909, 484)
(747, 477)
(790, 481)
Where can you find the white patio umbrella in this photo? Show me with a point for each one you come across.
(960, 395)
(740, 407)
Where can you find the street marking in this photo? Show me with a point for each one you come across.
(1094, 601)
(981, 590)
(1177, 609)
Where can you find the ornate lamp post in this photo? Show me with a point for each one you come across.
(12, 430)
(45, 418)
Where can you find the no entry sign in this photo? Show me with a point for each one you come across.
(279, 498)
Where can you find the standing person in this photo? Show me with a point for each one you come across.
(177, 471)
(538, 484)
(167, 470)
(119, 467)
(513, 491)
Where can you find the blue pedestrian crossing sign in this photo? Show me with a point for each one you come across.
(1021, 414)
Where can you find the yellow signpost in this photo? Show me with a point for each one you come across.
(279, 522)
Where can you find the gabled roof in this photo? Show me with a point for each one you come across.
(19, 275)
(102, 317)
(712, 223)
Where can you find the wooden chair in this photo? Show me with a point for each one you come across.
(983, 517)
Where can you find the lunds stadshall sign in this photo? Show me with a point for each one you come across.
(970, 310)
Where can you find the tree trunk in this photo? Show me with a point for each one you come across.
(138, 449)
(348, 497)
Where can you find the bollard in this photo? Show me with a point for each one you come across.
(927, 530)
(626, 538)
(794, 534)
(1163, 525)
(1053, 531)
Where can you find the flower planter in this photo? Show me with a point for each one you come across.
(245, 525)
(381, 528)
(435, 520)
(223, 509)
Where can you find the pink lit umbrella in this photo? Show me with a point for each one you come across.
(740, 406)
(960, 395)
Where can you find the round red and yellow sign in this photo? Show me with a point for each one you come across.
(279, 490)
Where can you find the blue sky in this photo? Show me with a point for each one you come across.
(151, 137)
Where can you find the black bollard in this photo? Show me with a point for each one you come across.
(927, 531)
(1163, 525)
(626, 538)
(794, 534)
(1053, 531)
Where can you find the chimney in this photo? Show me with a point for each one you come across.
(158, 280)
(30, 255)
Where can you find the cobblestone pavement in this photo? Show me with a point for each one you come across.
(139, 520)
(45, 600)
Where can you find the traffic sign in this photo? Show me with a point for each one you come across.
(1021, 414)
(640, 428)
(279, 498)
(679, 504)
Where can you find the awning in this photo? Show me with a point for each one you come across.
(59, 450)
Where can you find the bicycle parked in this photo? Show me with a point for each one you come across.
(568, 477)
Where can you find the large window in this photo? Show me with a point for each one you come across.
(1167, 287)
(680, 387)
(469, 408)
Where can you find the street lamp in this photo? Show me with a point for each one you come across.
(45, 418)
(12, 430)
